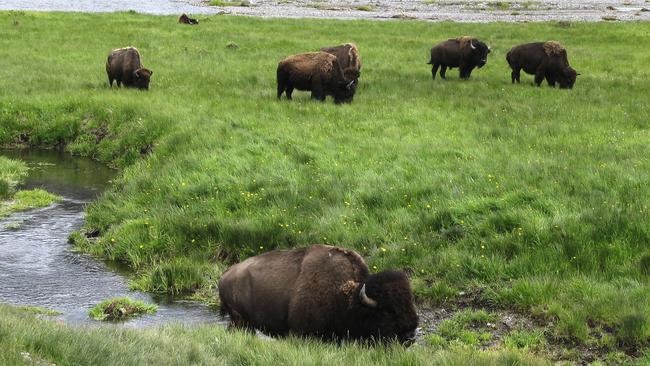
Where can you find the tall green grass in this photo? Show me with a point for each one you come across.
(47, 341)
(12, 172)
(537, 197)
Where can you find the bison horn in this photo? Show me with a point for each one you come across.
(471, 44)
(349, 86)
(365, 299)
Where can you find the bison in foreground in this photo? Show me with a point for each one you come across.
(124, 66)
(349, 59)
(184, 19)
(466, 53)
(545, 60)
(318, 72)
(320, 291)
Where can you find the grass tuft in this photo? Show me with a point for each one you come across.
(120, 309)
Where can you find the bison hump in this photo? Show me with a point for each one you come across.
(464, 41)
(553, 48)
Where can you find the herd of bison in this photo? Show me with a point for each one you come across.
(325, 291)
(335, 70)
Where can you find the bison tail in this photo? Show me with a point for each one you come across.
(430, 62)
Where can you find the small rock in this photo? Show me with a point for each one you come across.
(245, 3)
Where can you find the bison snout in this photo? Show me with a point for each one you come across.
(408, 338)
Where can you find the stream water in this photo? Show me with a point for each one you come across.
(39, 267)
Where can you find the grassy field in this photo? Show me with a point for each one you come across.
(528, 199)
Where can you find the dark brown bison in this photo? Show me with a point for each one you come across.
(319, 72)
(349, 59)
(466, 53)
(545, 60)
(184, 19)
(320, 291)
(124, 66)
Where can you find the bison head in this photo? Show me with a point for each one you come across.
(386, 310)
(568, 78)
(141, 78)
(479, 52)
(345, 91)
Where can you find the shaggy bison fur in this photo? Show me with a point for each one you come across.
(349, 59)
(545, 60)
(124, 66)
(318, 72)
(320, 291)
(465, 52)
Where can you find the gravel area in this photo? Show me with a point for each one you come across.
(432, 10)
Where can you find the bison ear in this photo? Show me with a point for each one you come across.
(369, 302)
(150, 72)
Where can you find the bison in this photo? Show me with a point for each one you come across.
(124, 66)
(349, 59)
(320, 291)
(465, 52)
(318, 72)
(184, 19)
(546, 60)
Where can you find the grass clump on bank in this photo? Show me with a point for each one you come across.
(530, 196)
(121, 308)
(12, 173)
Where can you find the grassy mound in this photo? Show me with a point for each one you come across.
(12, 173)
(120, 308)
(528, 198)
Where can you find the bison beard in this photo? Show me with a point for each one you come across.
(320, 291)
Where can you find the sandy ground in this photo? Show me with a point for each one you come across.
(431, 10)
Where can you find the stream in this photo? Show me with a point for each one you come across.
(38, 266)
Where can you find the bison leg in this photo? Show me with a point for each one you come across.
(434, 70)
(539, 77)
(465, 72)
(289, 91)
(550, 79)
(317, 92)
(443, 70)
(280, 90)
(110, 81)
(515, 75)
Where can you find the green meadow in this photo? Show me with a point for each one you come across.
(531, 200)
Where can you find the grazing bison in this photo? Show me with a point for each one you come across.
(349, 59)
(320, 291)
(546, 60)
(124, 66)
(184, 19)
(319, 72)
(466, 53)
